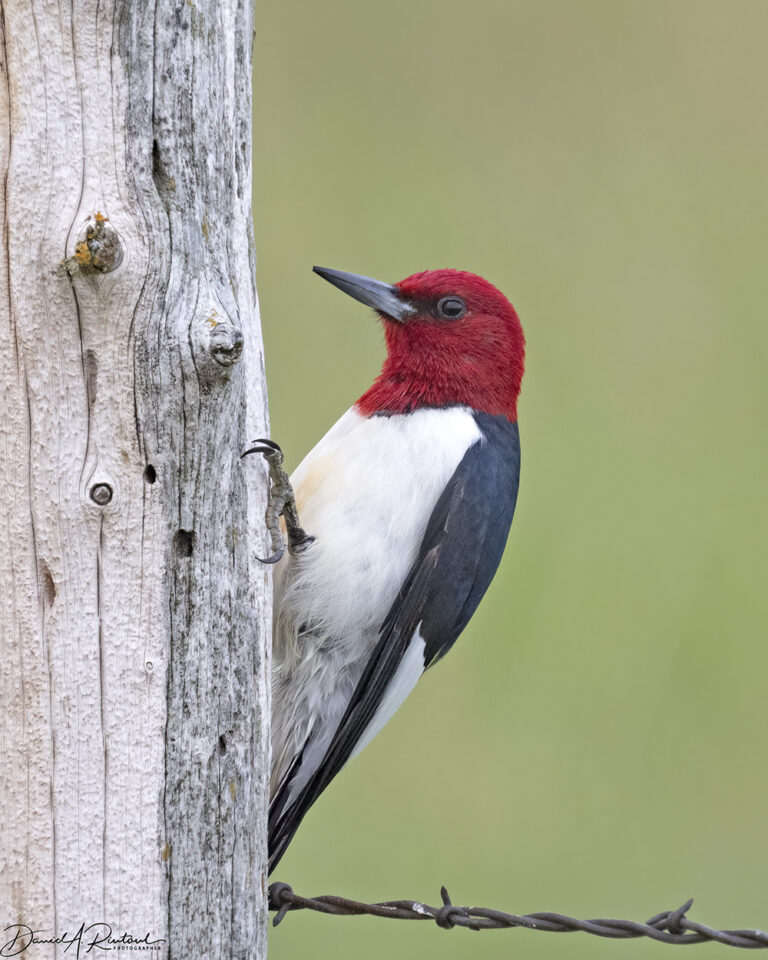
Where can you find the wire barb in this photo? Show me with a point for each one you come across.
(671, 926)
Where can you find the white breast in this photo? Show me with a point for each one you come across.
(365, 492)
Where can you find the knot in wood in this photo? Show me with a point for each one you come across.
(98, 248)
(217, 342)
(226, 344)
(101, 494)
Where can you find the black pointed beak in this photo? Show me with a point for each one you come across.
(383, 297)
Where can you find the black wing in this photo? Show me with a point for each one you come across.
(459, 556)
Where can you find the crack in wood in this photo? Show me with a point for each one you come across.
(47, 585)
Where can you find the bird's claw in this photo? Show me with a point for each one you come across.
(280, 502)
(269, 445)
(278, 555)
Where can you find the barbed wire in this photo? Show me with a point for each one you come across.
(671, 926)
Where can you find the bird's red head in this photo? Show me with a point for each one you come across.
(452, 338)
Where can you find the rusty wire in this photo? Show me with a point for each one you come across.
(671, 926)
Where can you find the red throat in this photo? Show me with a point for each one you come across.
(476, 361)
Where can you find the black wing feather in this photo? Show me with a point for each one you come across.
(459, 556)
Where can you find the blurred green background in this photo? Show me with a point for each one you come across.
(596, 742)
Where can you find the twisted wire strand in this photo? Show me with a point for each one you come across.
(670, 926)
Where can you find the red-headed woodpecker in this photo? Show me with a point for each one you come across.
(407, 501)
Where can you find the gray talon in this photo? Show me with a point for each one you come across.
(266, 442)
(280, 502)
(275, 556)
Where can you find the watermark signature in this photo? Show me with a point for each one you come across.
(86, 940)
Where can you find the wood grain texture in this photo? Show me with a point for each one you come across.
(134, 615)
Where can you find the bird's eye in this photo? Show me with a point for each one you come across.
(451, 308)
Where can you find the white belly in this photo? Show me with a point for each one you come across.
(365, 492)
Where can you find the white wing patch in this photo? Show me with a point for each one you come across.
(404, 680)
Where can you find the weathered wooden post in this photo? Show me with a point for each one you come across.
(133, 614)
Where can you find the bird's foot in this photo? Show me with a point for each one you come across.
(280, 503)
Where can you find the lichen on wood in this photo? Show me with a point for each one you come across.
(99, 249)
